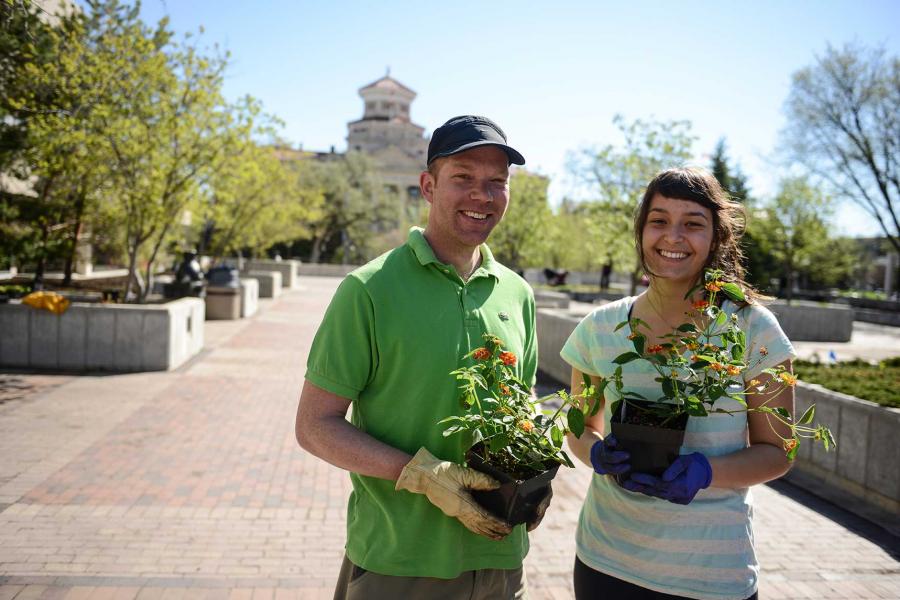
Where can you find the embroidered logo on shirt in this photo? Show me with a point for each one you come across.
(504, 317)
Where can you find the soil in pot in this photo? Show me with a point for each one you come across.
(516, 500)
(653, 443)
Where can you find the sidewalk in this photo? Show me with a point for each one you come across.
(190, 485)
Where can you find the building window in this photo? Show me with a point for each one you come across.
(370, 106)
(413, 192)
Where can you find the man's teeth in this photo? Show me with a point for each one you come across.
(668, 254)
(475, 215)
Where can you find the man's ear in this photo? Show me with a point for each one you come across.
(426, 185)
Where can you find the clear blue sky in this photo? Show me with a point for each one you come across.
(552, 74)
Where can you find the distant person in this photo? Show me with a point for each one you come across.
(687, 534)
(392, 334)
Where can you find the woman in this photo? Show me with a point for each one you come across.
(687, 534)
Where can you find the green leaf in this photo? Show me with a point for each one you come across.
(688, 328)
(737, 352)
(668, 387)
(638, 342)
(620, 326)
(575, 420)
(808, 416)
(626, 357)
(721, 318)
(498, 442)
(734, 292)
(556, 434)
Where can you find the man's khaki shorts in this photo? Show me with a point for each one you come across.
(355, 583)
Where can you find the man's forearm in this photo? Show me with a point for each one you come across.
(338, 442)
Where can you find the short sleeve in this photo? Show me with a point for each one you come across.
(342, 358)
(576, 351)
(767, 344)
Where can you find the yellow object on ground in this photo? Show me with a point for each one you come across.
(48, 301)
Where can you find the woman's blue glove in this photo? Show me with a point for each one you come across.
(606, 459)
(689, 474)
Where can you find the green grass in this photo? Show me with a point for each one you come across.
(877, 383)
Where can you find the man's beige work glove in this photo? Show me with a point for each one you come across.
(447, 486)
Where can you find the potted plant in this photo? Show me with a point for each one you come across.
(510, 439)
(700, 362)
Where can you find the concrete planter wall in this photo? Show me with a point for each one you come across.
(866, 463)
(548, 299)
(287, 268)
(269, 282)
(102, 337)
(249, 297)
(814, 322)
(323, 270)
(862, 474)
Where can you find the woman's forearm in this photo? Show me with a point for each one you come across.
(751, 466)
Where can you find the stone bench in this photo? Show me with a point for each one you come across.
(287, 268)
(269, 282)
(249, 297)
(102, 337)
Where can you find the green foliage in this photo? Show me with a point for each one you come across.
(616, 178)
(876, 383)
(793, 230)
(521, 239)
(356, 211)
(500, 416)
(702, 361)
(843, 126)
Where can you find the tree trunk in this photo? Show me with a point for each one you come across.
(73, 249)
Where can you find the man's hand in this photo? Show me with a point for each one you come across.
(689, 474)
(540, 510)
(447, 486)
(606, 460)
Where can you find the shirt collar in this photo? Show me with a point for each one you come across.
(425, 255)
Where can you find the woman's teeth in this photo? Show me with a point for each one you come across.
(668, 254)
(475, 215)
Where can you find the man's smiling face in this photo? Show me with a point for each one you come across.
(468, 196)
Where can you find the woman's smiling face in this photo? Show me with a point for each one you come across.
(676, 239)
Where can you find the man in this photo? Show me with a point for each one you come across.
(394, 330)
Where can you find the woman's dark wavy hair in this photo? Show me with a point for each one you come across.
(729, 220)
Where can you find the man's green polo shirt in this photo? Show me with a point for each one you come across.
(392, 334)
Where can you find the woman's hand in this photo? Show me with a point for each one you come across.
(606, 460)
(686, 476)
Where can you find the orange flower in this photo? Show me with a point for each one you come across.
(716, 366)
(508, 358)
(755, 383)
(710, 348)
(700, 304)
(526, 426)
(504, 389)
(790, 445)
(733, 369)
(787, 378)
(481, 354)
(631, 336)
(714, 286)
(692, 345)
(654, 349)
(763, 350)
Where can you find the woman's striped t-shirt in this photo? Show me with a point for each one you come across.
(703, 550)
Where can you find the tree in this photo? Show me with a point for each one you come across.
(844, 126)
(793, 229)
(257, 201)
(521, 238)
(732, 179)
(355, 210)
(616, 178)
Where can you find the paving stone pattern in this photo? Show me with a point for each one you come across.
(190, 485)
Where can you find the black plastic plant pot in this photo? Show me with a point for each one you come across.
(514, 501)
(652, 449)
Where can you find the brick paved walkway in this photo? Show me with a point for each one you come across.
(190, 485)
